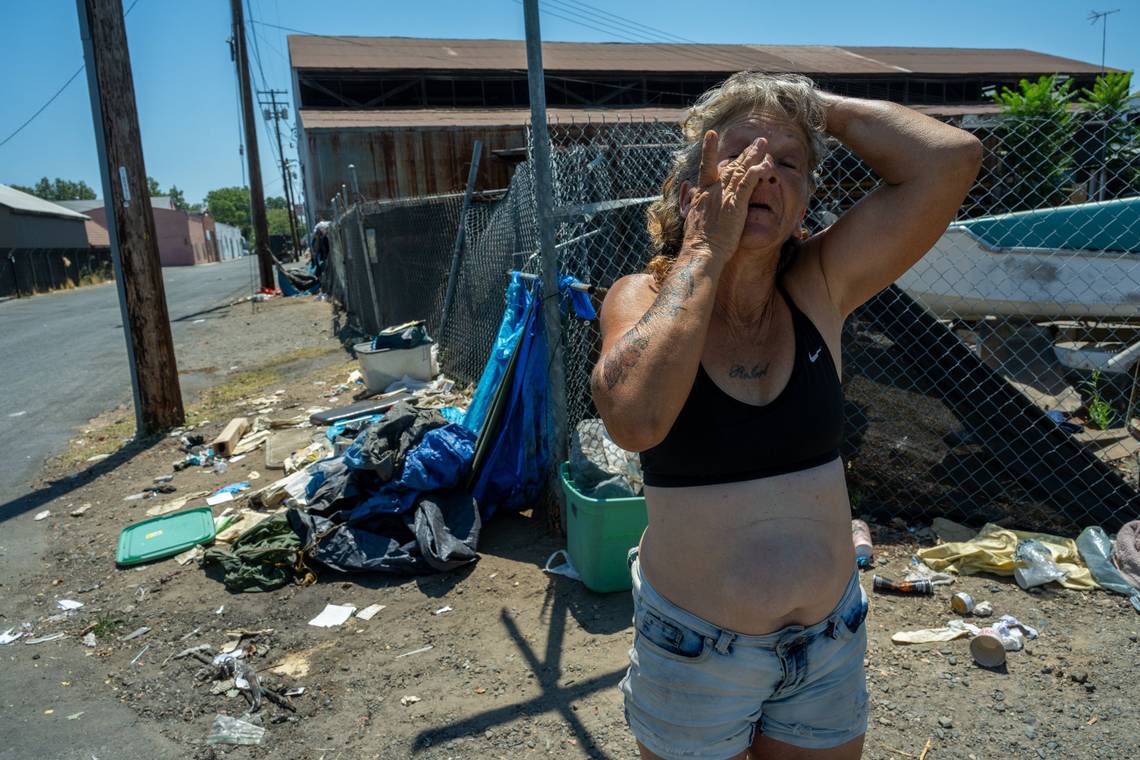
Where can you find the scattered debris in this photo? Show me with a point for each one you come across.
(229, 730)
(75, 716)
(7, 637)
(68, 604)
(42, 515)
(138, 656)
(409, 700)
(251, 442)
(78, 511)
(296, 691)
(370, 611)
(415, 651)
(912, 588)
(230, 436)
(143, 631)
(175, 504)
(442, 610)
(89, 640)
(333, 615)
(45, 639)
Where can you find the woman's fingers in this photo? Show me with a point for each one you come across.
(709, 173)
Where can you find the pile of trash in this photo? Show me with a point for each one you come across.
(1093, 561)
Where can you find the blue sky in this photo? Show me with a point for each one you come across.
(187, 100)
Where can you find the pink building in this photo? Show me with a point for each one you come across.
(183, 239)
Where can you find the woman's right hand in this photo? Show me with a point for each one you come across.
(718, 207)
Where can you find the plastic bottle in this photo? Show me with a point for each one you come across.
(861, 537)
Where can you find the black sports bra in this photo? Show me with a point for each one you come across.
(718, 439)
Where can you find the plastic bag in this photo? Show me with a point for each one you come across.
(229, 730)
(1096, 550)
(1035, 565)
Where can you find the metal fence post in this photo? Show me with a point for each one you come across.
(544, 198)
(460, 234)
(374, 296)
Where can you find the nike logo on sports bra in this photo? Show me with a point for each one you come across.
(813, 356)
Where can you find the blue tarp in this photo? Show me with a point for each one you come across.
(514, 472)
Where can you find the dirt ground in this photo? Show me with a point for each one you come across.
(524, 664)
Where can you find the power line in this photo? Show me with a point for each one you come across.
(58, 92)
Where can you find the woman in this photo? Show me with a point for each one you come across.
(720, 365)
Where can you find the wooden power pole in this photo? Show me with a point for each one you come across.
(256, 191)
(130, 221)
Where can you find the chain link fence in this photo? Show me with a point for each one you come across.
(997, 380)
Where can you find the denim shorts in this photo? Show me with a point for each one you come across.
(695, 690)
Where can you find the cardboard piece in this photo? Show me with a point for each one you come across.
(224, 444)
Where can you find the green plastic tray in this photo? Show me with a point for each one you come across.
(165, 536)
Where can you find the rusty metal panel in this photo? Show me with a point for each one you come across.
(429, 54)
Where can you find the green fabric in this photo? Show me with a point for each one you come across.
(263, 558)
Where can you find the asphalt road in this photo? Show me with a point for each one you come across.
(65, 360)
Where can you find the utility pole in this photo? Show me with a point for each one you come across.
(275, 111)
(130, 220)
(544, 200)
(256, 191)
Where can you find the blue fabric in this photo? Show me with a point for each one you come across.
(513, 474)
(583, 306)
(288, 289)
(337, 428)
(440, 461)
(453, 414)
(510, 328)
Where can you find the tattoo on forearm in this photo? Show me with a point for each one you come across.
(740, 372)
(624, 356)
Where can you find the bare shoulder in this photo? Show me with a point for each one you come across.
(629, 298)
(808, 285)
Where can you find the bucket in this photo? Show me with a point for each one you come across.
(599, 535)
(384, 366)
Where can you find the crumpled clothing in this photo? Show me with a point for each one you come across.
(991, 551)
(382, 447)
(1126, 554)
(1004, 627)
(439, 534)
(439, 461)
(264, 558)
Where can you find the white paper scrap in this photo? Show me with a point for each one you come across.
(219, 498)
(442, 610)
(68, 604)
(333, 615)
(370, 611)
(42, 515)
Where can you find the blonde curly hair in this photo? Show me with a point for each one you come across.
(790, 96)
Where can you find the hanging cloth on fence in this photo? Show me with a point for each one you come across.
(512, 455)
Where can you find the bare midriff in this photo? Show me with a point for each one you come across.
(752, 556)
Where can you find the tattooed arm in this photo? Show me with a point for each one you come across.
(653, 337)
(652, 341)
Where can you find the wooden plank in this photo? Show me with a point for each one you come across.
(230, 435)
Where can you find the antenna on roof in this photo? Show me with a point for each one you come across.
(1102, 16)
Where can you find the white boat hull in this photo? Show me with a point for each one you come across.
(964, 277)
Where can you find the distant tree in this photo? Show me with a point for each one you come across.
(23, 188)
(275, 201)
(177, 199)
(278, 219)
(230, 205)
(59, 190)
(153, 189)
(1037, 141)
(1117, 148)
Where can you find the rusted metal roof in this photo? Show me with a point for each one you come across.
(419, 54)
(440, 118)
(97, 234)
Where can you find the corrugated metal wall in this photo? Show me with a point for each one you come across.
(404, 163)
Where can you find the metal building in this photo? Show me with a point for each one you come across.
(406, 111)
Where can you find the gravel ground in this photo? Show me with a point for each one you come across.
(524, 664)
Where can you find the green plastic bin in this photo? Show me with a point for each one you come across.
(599, 535)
